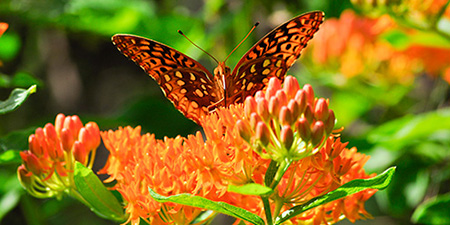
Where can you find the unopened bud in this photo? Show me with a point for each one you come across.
(244, 130)
(290, 86)
(31, 162)
(34, 145)
(254, 119)
(286, 117)
(273, 86)
(274, 106)
(309, 93)
(317, 133)
(300, 98)
(331, 121)
(308, 114)
(59, 123)
(321, 110)
(282, 98)
(263, 108)
(80, 152)
(295, 109)
(263, 133)
(287, 136)
(67, 139)
(250, 105)
(302, 126)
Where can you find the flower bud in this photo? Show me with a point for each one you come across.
(285, 116)
(31, 162)
(263, 133)
(259, 94)
(254, 119)
(94, 131)
(249, 105)
(263, 108)
(80, 152)
(308, 114)
(331, 121)
(287, 136)
(244, 130)
(34, 145)
(59, 123)
(67, 139)
(50, 133)
(281, 97)
(321, 110)
(309, 93)
(294, 107)
(274, 106)
(302, 127)
(273, 86)
(300, 98)
(290, 86)
(317, 133)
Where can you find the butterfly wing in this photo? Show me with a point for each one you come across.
(183, 80)
(272, 56)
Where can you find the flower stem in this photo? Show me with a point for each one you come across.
(267, 210)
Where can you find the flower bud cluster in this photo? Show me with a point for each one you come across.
(48, 164)
(286, 122)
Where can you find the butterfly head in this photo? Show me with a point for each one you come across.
(222, 70)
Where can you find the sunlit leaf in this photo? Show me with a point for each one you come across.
(200, 202)
(99, 199)
(250, 189)
(379, 182)
(433, 211)
(10, 157)
(17, 97)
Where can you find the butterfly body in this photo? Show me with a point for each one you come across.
(195, 91)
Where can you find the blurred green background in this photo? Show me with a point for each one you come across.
(396, 114)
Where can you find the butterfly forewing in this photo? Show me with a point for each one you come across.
(183, 80)
(273, 55)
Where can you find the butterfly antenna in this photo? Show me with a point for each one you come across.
(179, 31)
(237, 46)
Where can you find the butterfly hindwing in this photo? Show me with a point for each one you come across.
(183, 80)
(274, 54)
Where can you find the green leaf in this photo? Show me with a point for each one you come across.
(433, 211)
(200, 202)
(410, 129)
(10, 157)
(250, 189)
(17, 97)
(97, 197)
(379, 182)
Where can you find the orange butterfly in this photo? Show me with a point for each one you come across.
(195, 91)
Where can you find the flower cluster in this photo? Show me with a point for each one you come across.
(284, 123)
(48, 164)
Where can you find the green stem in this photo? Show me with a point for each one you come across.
(267, 210)
(281, 170)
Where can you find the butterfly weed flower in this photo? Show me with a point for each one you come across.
(48, 164)
(286, 122)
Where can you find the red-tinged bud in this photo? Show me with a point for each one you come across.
(59, 123)
(290, 86)
(254, 119)
(331, 121)
(273, 86)
(309, 93)
(300, 97)
(34, 145)
(80, 152)
(263, 108)
(85, 137)
(274, 106)
(244, 130)
(50, 133)
(303, 128)
(31, 162)
(250, 105)
(285, 116)
(287, 136)
(24, 176)
(317, 133)
(308, 114)
(263, 133)
(67, 139)
(321, 110)
(94, 131)
(259, 94)
(282, 98)
(294, 107)
(77, 123)
(55, 151)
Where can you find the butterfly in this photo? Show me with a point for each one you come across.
(195, 91)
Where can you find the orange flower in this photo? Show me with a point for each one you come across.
(3, 28)
(282, 123)
(351, 45)
(48, 165)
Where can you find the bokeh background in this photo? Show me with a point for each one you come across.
(384, 65)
